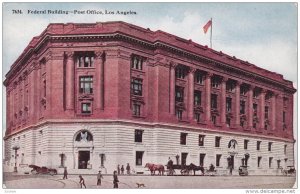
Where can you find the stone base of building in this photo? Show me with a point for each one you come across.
(86, 148)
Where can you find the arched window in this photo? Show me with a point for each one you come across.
(232, 144)
(84, 136)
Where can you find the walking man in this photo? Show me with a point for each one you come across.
(116, 180)
(99, 177)
(81, 182)
(128, 168)
(122, 169)
(65, 173)
(170, 166)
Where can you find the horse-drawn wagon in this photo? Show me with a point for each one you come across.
(184, 169)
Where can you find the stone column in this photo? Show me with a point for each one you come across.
(32, 92)
(69, 81)
(99, 80)
(237, 104)
(172, 88)
(38, 90)
(273, 112)
(250, 108)
(223, 101)
(207, 97)
(8, 108)
(191, 94)
(262, 109)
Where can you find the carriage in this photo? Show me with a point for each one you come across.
(42, 170)
(290, 170)
(184, 169)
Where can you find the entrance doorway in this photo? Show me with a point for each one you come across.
(231, 162)
(83, 159)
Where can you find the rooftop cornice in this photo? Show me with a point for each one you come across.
(68, 32)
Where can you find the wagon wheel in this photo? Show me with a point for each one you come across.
(34, 172)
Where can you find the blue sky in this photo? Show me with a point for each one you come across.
(264, 34)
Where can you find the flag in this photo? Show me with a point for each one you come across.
(207, 25)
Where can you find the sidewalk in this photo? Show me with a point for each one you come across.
(56, 182)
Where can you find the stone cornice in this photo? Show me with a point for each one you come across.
(145, 124)
(154, 40)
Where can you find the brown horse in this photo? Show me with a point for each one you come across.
(154, 167)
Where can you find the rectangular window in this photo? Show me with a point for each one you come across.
(85, 59)
(197, 98)
(258, 145)
(179, 94)
(197, 117)
(270, 162)
(137, 86)
(102, 158)
(228, 104)
(199, 78)
(242, 107)
(139, 158)
(136, 109)
(259, 161)
(202, 157)
(255, 93)
(218, 159)
(214, 82)
(183, 158)
(284, 149)
(86, 84)
(137, 62)
(44, 88)
(266, 112)
(86, 108)
(246, 141)
(228, 122)
(242, 122)
(270, 146)
(201, 140)
(180, 72)
(283, 117)
(254, 125)
(278, 164)
(230, 86)
(183, 138)
(138, 135)
(214, 101)
(243, 90)
(255, 109)
(214, 119)
(217, 141)
(179, 114)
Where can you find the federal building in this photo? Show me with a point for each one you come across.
(90, 96)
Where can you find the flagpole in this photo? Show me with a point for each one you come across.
(211, 33)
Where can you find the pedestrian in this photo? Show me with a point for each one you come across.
(128, 168)
(170, 166)
(99, 177)
(81, 181)
(116, 180)
(122, 169)
(65, 173)
(118, 169)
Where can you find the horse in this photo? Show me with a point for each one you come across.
(196, 168)
(154, 167)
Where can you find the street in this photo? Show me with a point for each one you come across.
(12, 181)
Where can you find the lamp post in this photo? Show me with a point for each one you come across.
(16, 147)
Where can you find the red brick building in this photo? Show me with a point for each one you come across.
(90, 96)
